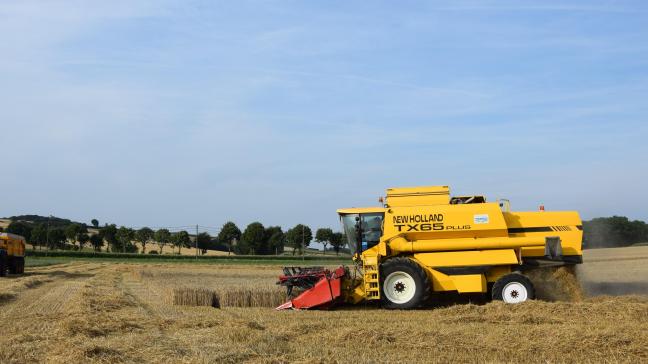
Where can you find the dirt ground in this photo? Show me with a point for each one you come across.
(107, 312)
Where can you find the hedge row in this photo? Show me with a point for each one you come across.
(86, 254)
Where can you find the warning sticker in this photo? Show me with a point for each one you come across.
(481, 219)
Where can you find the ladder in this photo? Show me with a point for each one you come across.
(371, 282)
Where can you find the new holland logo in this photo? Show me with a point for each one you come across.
(431, 222)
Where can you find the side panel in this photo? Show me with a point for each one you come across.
(15, 247)
(469, 258)
(496, 273)
(469, 283)
(13, 244)
(465, 283)
(565, 224)
(445, 221)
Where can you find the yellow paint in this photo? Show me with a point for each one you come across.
(402, 245)
(13, 244)
(495, 273)
(418, 196)
(465, 283)
(467, 258)
(469, 283)
(360, 210)
(440, 281)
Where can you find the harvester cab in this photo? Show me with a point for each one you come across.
(362, 228)
(422, 241)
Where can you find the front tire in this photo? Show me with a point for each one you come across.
(404, 284)
(513, 288)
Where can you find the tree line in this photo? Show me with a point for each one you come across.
(612, 232)
(255, 239)
(56, 233)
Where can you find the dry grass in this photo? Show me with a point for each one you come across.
(251, 297)
(238, 297)
(615, 271)
(125, 313)
(195, 297)
(231, 286)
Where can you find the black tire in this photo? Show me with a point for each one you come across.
(13, 264)
(4, 261)
(406, 268)
(521, 289)
(20, 265)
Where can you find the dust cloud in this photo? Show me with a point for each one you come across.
(604, 272)
(557, 284)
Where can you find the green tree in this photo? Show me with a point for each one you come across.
(275, 239)
(337, 241)
(72, 232)
(125, 236)
(291, 240)
(323, 236)
(96, 241)
(83, 239)
(56, 238)
(181, 239)
(109, 235)
(299, 237)
(253, 239)
(204, 242)
(39, 235)
(143, 236)
(95, 223)
(229, 234)
(615, 231)
(20, 228)
(162, 237)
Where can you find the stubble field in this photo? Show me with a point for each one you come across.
(108, 312)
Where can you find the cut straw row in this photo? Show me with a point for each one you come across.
(238, 297)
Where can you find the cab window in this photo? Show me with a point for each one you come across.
(371, 228)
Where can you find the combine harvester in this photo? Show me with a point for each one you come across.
(422, 241)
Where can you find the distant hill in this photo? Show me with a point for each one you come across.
(37, 219)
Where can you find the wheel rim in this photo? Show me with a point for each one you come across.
(399, 287)
(514, 292)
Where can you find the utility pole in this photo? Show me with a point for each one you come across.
(47, 235)
(196, 242)
(302, 244)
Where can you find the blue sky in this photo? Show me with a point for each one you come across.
(170, 113)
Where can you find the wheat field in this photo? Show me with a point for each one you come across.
(111, 313)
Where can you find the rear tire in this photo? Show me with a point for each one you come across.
(20, 265)
(4, 261)
(404, 284)
(513, 288)
(13, 264)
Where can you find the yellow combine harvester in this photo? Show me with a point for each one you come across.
(12, 254)
(422, 241)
